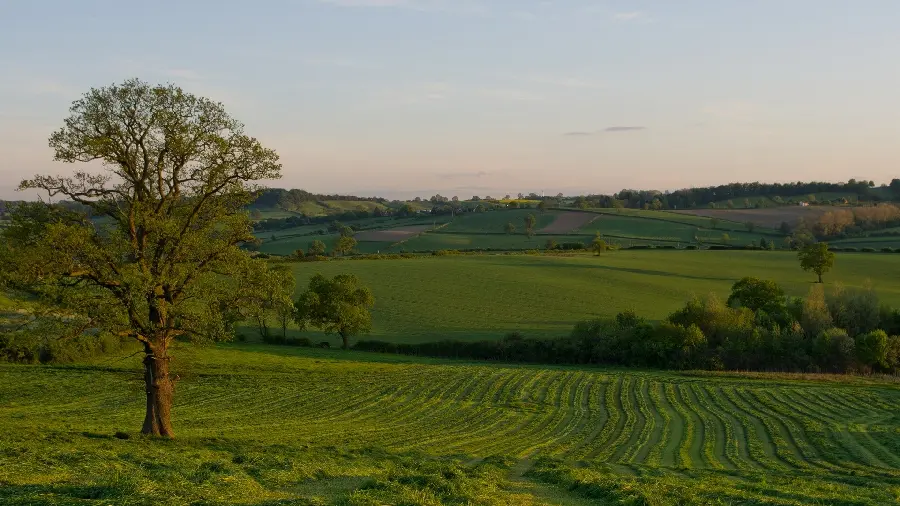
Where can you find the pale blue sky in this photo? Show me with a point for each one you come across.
(411, 97)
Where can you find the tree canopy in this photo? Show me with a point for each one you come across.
(336, 306)
(162, 256)
(816, 258)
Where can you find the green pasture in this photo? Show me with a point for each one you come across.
(668, 231)
(495, 221)
(265, 425)
(667, 216)
(487, 296)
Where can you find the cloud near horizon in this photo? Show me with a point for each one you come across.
(612, 129)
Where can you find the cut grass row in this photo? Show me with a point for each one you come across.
(629, 423)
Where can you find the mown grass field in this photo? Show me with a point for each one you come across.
(487, 296)
(267, 425)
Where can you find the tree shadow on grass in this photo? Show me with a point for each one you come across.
(631, 270)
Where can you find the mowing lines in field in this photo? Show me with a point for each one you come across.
(691, 452)
(651, 449)
(465, 413)
(500, 440)
(704, 427)
(625, 418)
(581, 423)
(737, 444)
(598, 415)
(553, 412)
(472, 440)
(643, 427)
(713, 426)
(792, 431)
(841, 447)
(774, 431)
(475, 415)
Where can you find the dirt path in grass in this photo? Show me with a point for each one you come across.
(568, 221)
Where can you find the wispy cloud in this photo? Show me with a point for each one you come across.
(624, 128)
(612, 129)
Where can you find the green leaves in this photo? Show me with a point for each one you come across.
(816, 258)
(336, 306)
(161, 255)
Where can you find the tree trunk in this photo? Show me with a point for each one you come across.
(159, 388)
(346, 340)
(820, 278)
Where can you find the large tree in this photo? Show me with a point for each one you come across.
(161, 258)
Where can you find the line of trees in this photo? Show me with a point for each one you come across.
(732, 192)
(758, 328)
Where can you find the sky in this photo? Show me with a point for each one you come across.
(401, 98)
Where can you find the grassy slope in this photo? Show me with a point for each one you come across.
(494, 222)
(478, 297)
(656, 229)
(267, 425)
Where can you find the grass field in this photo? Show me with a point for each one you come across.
(487, 296)
(495, 221)
(267, 425)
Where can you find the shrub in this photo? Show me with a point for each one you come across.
(868, 250)
(855, 310)
(872, 350)
(887, 250)
(834, 350)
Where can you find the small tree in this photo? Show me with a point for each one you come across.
(750, 226)
(542, 206)
(256, 215)
(714, 223)
(345, 245)
(816, 258)
(598, 245)
(510, 228)
(726, 238)
(316, 248)
(530, 220)
(785, 228)
(299, 254)
(336, 306)
(763, 243)
(551, 244)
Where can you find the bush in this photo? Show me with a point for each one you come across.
(570, 246)
(855, 310)
(868, 250)
(872, 350)
(691, 247)
(887, 250)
